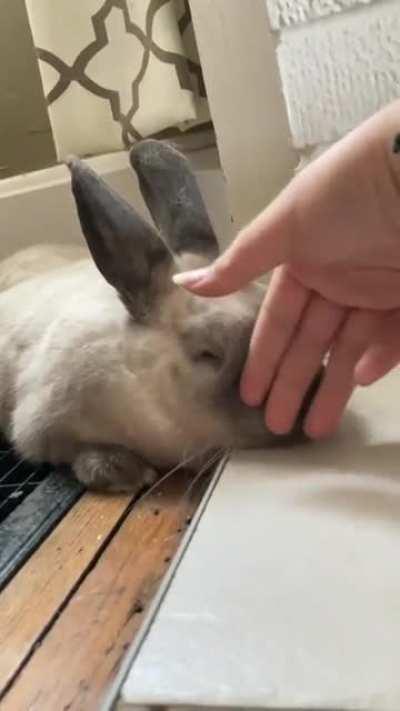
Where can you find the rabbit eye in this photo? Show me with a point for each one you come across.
(208, 357)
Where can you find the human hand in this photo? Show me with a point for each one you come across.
(333, 237)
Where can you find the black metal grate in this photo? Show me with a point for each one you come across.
(17, 479)
(32, 501)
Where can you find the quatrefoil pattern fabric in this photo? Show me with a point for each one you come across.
(114, 71)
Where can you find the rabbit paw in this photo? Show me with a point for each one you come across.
(113, 469)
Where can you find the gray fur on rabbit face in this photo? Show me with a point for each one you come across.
(106, 364)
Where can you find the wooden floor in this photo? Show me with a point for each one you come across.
(68, 616)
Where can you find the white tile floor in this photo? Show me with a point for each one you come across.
(288, 595)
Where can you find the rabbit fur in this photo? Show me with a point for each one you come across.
(106, 365)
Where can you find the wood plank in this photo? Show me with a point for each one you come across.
(30, 523)
(85, 646)
(32, 599)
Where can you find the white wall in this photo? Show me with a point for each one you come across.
(286, 77)
(237, 52)
(339, 62)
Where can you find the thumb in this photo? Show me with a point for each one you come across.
(259, 247)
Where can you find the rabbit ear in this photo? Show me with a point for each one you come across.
(172, 195)
(126, 250)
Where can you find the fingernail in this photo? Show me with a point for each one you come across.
(252, 400)
(190, 278)
(314, 429)
(250, 396)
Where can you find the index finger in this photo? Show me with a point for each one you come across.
(279, 316)
(260, 247)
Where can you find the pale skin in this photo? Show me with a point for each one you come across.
(332, 239)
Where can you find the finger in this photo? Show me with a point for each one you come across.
(376, 362)
(279, 315)
(302, 362)
(383, 355)
(312, 220)
(261, 246)
(338, 382)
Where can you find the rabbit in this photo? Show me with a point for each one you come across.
(107, 366)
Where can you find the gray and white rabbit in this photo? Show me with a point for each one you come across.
(106, 365)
